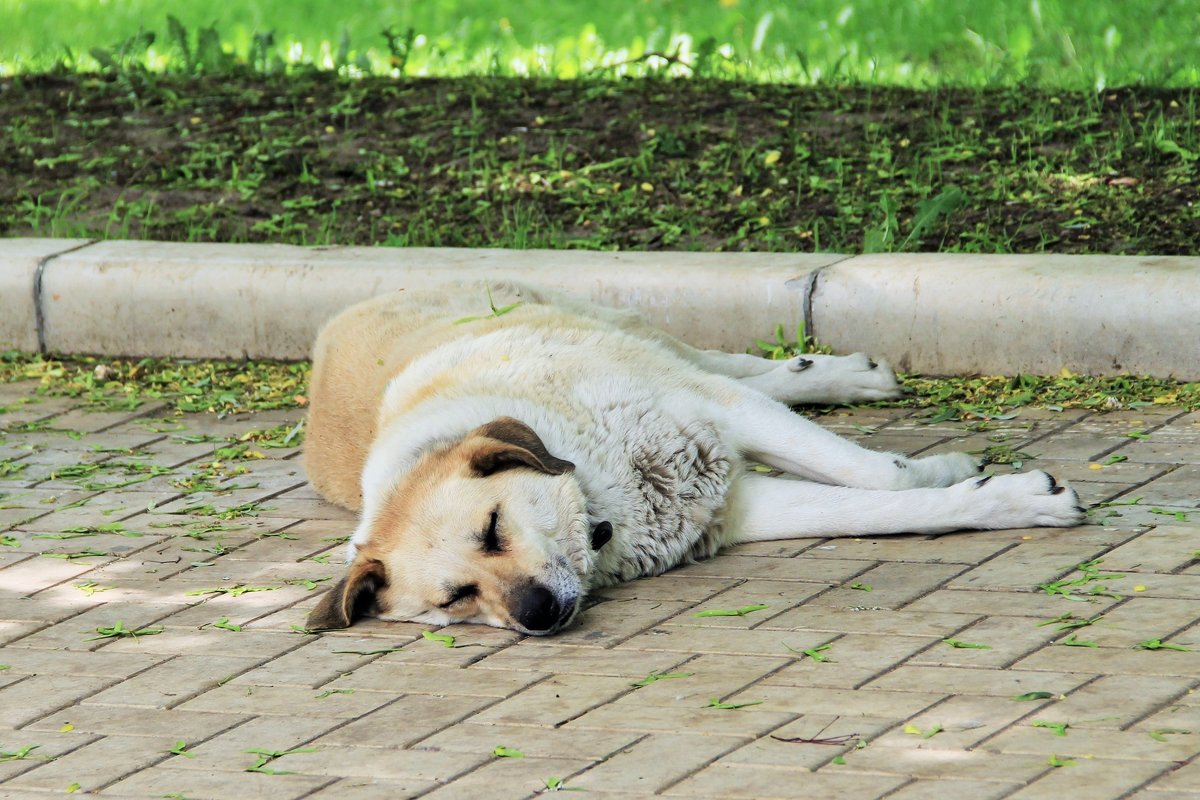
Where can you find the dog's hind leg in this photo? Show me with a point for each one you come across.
(770, 433)
(763, 508)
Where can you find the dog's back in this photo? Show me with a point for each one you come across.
(359, 351)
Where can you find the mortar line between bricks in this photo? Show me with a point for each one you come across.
(167, 756)
(1174, 698)
(896, 790)
(413, 745)
(64, 706)
(39, 312)
(1169, 767)
(871, 564)
(48, 625)
(1033, 712)
(1148, 430)
(1028, 783)
(736, 744)
(622, 640)
(36, 765)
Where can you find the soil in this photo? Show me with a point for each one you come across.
(685, 164)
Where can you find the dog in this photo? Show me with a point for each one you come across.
(510, 449)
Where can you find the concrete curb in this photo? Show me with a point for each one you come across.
(934, 314)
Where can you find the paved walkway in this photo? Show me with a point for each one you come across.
(907, 667)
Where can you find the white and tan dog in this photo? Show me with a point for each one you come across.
(506, 463)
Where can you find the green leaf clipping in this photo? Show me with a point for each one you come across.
(730, 612)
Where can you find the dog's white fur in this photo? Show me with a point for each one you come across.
(660, 436)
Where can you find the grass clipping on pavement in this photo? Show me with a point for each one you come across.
(238, 386)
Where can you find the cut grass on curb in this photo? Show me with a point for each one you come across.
(649, 164)
(225, 387)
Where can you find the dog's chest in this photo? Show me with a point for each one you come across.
(660, 477)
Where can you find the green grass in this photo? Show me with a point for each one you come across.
(1064, 43)
(227, 387)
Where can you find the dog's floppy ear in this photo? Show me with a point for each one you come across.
(350, 598)
(511, 443)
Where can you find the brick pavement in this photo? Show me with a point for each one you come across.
(121, 521)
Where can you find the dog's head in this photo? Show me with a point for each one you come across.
(490, 529)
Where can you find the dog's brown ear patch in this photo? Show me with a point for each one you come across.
(513, 444)
(350, 598)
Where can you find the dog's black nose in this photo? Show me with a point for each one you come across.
(539, 609)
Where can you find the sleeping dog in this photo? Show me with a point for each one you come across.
(510, 449)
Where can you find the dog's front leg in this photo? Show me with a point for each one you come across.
(771, 433)
(764, 508)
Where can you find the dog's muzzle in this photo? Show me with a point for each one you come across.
(540, 612)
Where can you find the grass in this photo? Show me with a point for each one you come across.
(914, 43)
(318, 159)
(228, 387)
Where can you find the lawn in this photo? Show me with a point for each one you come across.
(1063, 43)
(858, 125)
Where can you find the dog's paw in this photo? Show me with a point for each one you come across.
(943, 469)
(816, 378)
(1027, 500)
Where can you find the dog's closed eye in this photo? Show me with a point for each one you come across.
(459, 594)
(491, 537)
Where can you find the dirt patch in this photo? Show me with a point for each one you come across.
(314, 159)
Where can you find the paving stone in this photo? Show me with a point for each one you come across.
(227, 751)
(46, 747)
(405, 721)
(778, 596)
(827, 737)
(956, 548)
(627, 714)
(1006, 638)
(934, 764)
(815, 616)
(1035, 562)
(80, 632)
(1175, 784)
(828, 571)
(608, 623)
(965, 722)
(92, 766)
(99, 664)
(130, 721)
(951, 788)
(1031, 603)
(731, 780)
(25, 701)
(510, 778)
(425, 719)
(850, 661)
(189, 641)
(1141, 618)
(371, 788)
(580, 661)
(160, 780)
(1117, 701)
(173, 682)
(1112, 661)
(655, 762)
(1165, 548)
(481, 739)
(701, 639)
(556, 700)
(284, 700)
(1119, 747)
(974, 681)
